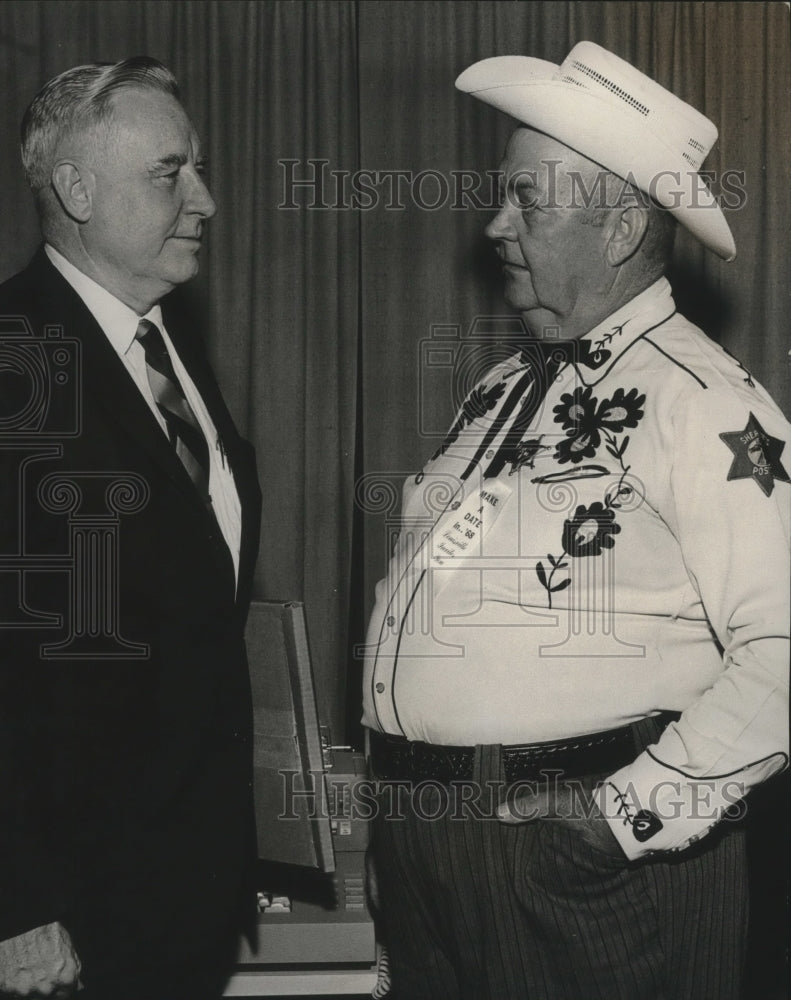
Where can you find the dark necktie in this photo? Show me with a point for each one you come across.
(544, 360)
(183, 428)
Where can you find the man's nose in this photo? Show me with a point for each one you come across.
(200, 202)
(501, 227)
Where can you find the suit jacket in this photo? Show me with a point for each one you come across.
(125, 750)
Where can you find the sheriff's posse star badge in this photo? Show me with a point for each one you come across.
(756, 456)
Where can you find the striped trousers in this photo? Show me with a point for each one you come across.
(473, 909)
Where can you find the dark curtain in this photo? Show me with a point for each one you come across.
(320, 317)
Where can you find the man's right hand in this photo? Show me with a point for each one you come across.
(39, 963)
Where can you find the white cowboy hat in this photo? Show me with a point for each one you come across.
(608, 111)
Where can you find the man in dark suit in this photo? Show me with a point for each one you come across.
(130, 528)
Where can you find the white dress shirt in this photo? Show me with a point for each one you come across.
(119, 324)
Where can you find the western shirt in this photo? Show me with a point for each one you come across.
(577, 562)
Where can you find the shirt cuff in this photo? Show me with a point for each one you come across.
(651, 807)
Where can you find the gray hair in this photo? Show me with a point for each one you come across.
(660, 237)
(81, 99)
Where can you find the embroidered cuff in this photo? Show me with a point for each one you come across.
(653, 808)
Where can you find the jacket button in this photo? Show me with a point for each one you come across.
(380, 688)
(390, 621)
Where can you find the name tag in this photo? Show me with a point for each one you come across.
(459, 532)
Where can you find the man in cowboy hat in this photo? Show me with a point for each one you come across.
(587, 638)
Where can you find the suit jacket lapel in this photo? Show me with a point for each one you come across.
(107, 381)
(104, 375)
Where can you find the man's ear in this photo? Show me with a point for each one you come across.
(74, 187)
(627, 228)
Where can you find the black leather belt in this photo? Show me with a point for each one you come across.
(394, 758)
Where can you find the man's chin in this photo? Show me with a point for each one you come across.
(182, 270)
(518, 289)
(519, 298)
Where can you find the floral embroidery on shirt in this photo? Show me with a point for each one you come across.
(590, 530)
(577, 414)
(584, 419)
(587, 533)
(589, 424)
(479, 402)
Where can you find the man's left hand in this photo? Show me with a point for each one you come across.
(560, 805)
